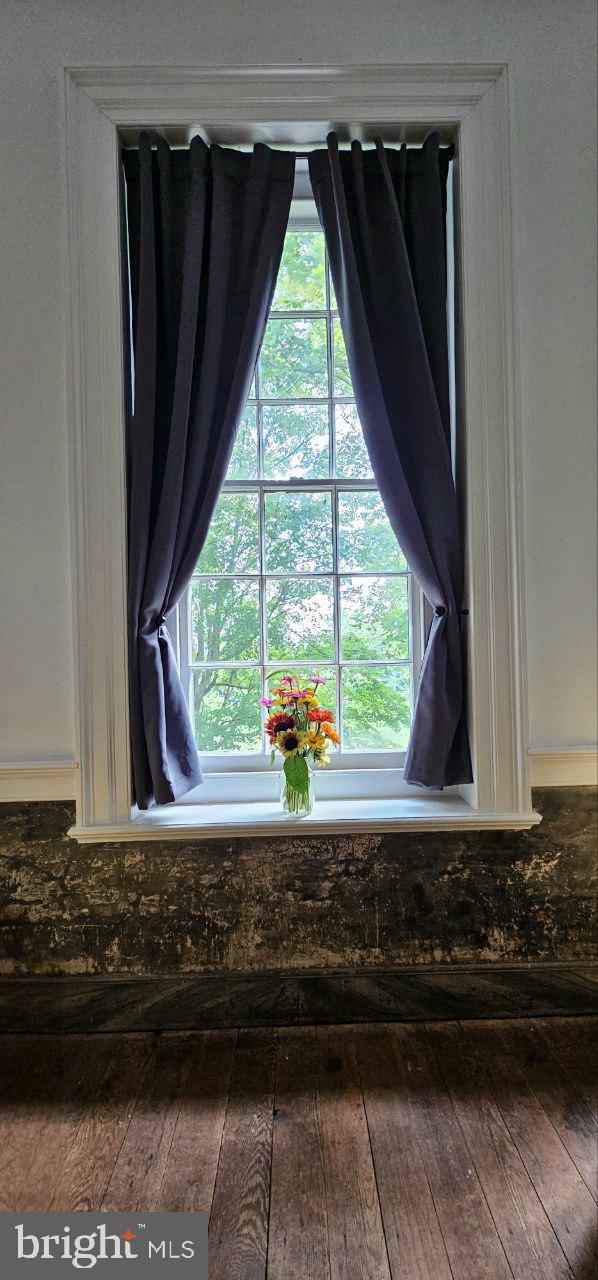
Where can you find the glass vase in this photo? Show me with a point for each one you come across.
(296, 804)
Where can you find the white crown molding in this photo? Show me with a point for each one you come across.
(183, 95)
(572, 767)
(38, 780)
(468, 104)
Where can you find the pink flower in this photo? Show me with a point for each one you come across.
(287, 680)
(266, 702)
(316, 680)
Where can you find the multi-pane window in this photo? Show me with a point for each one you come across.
(301, 570)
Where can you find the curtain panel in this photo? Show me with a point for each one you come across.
(384, 219)
(205, 231)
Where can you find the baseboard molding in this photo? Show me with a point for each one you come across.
(38, 780)
(56, 779)
(574, 767)
(216, 1000)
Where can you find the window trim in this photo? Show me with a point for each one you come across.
(470, 106)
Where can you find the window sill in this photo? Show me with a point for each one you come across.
(330, 817)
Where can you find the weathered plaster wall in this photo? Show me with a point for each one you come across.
(373, 901)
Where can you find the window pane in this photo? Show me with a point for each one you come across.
(296, 441)
(342, 378)
(301, 283)
(352, 460)
(294, 359)
(326, 691)
(225, 620)
(299, 614)
(298, 532)
(374, 618)
(376, 708)
(243, 463)
(366, 541)
(226, 710)
(232, 544)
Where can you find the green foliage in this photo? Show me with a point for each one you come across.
(301, 284)
(297, 773)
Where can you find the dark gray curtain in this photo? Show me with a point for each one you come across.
(383, 214)
(206, 229)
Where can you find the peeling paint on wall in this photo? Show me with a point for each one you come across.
(253, 905)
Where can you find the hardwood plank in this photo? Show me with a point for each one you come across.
(531, 1247)
(570, 1116)
(356, 1241)
(190, 1173)
(239, 1219)
(561, 1188)
(188, 1002)
(91, 1157)
(574, 1042)
(474, 1248)
(23, 1106)
(137, 1176)
(298, 1229)
(588, 971)
(413, 1237)
(71, 1092)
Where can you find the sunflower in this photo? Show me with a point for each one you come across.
(277, 722)
(290, 741)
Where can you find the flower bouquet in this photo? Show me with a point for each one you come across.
(302, 731)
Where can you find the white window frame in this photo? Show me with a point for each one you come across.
(469, 105)
(218, 766)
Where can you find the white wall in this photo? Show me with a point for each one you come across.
(549, 47)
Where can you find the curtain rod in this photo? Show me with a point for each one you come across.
(300, 155)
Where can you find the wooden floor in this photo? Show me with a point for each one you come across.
(437, 1151)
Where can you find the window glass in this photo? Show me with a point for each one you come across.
(301, 570)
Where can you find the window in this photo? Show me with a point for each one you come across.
(301, 570)
(468, 103)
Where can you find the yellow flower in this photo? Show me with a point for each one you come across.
(290, 741)
(309, 698)
(316, 739)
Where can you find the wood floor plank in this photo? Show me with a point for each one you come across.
(34, 1076)
(569, 1113)
(566, 1199)
(73, 1092)
(587, 971)
(355, 1231)
(91, 1157)
(472, 1243)
(298, 1228)
(239, 1218)
(190, 1172)
(531, 1247)
(137, 1176)
(574, 1042)
(413, 1237)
